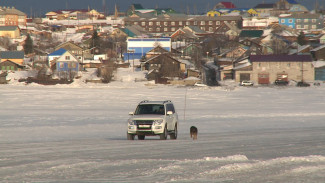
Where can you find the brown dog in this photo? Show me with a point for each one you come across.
(193, 132)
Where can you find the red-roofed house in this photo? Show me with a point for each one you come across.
(227, 5)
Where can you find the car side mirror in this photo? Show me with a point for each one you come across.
(131, 113)
(169, 112)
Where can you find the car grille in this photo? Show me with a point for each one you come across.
(144, 124)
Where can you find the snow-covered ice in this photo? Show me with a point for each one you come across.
(77, 133)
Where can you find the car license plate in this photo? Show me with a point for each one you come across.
(144, 126)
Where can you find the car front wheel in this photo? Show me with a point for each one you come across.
(163, 136)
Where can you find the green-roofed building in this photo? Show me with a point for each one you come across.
(251, 34)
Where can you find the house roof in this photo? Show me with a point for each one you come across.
(292, 2)
(228, 4)
(251, 33)
(280, 58)
(162, 55)
(302, 16)
(11, 10)
(19, 65)
(158, 49)
(58, 52)
(8, 28)
(318, 48)
(12, 54)
(195, 29)
(264, 6)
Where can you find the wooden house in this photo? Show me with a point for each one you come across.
(9, 65)
(14, 56)
(164, 66)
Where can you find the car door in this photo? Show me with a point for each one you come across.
(172, 118)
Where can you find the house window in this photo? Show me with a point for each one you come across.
(165, 29)
(172, 23)
(3, 68)
(210, 22)
(150, 23)
(195, 22)
(217, 22)
(61, 64)
(305, 20)
(290, 20)
(157, 23)
(298, 26)
(314, 20)
(203, 28)
(150, 29)
(306, 27)
(298, 20)
(233, 22)
(210, 29)
(173, 29)
(143, 23)
(135, 23)
(165, 23)
(313, 27)
(188, 23)
(282, 21)
(202, 22)
(158, 29)
(180, 23)
(67, 57)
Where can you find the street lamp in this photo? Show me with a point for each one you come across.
(207, 55)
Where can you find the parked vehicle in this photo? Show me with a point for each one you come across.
(281, 82)
(153, 118)
(303, 84)
(246, 83)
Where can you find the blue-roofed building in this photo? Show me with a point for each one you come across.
(64, 63)
(54, 55)
(138, 47)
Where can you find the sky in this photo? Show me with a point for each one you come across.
(38, 8)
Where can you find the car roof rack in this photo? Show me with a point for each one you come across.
(144, 101)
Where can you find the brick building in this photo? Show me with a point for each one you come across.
(10, 16)
(170, 23)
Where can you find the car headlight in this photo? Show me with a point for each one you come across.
(132, 122)
(158, 121)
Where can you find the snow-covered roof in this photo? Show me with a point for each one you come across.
(319, 63)
(318, 48)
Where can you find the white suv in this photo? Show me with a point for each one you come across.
(153, 118)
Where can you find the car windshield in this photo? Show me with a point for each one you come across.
(150, 109)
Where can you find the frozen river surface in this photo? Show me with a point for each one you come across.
(78, 134)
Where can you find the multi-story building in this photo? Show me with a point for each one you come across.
(303, 21)
(10, 16)
(167, 24)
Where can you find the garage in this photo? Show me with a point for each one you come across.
(263, 78)
(244, 76)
